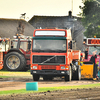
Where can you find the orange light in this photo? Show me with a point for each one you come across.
(67, 68)
(84, 42)
(94, 36)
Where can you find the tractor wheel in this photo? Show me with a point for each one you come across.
(14, 61)
(69, 77)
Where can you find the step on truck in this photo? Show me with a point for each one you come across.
(52, 55)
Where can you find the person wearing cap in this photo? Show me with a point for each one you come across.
(93, 60)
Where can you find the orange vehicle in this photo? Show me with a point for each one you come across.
(52, 55)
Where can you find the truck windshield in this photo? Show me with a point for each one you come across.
(49, 45)
(94, 48)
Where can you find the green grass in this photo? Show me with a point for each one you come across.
(45, 89)
(4, 76)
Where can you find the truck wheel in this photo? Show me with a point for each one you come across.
(69, 77)
(77, 74)
(36, 77)
(14, 61)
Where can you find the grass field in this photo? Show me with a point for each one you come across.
(45, 89)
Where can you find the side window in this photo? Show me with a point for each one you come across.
(69, 44)
(24, 46)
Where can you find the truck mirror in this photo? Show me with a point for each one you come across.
(86, 54)
(70, 44)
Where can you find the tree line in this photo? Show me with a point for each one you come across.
(91, 17)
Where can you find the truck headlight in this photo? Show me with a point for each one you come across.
(34, 67)
(62, 67)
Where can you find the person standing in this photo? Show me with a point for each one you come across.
(93, 60)
(99, 61)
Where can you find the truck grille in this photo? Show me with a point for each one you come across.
(39, 59)
(48, 67)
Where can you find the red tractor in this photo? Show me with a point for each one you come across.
(17, 55)
(4, 47)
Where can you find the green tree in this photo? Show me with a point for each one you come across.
(91, 17)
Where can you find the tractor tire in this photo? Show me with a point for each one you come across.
(69, 77)
(14, 61)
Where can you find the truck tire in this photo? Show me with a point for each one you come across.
(77, 74)
(69, 77)
(14, 61)
(36, 77)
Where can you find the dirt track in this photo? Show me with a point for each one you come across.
(78, 94)
(20, 83)
(19, 80)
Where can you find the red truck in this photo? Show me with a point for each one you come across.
(52, 55)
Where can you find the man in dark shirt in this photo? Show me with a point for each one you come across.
(93, 60)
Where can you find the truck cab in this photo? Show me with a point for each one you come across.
(52, 54)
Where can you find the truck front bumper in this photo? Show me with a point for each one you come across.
(50, 72)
